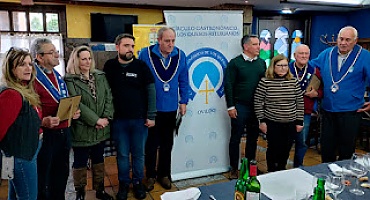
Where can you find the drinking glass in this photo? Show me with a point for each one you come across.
(358, 158)
(335, 185)
(367, 161)
(358, 171)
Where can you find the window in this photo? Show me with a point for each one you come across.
(281, 41)
(4, 20)
(265, 46)
(20, 25)
(35, 19)
(36, 22)
(296, 41)
(52, 22)
(19, 21)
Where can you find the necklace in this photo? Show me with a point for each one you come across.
(335, 86)
(296, 73)
(166, 85)
(168, 64)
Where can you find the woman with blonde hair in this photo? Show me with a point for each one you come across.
(278, 104)
(92, 128)
(20, 133)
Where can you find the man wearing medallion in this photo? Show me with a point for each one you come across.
(53, 158)
(168, 65)
(344, 69)
(303, 72)
(133, 92)
(241, 79)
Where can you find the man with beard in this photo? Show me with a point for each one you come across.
(134, 101)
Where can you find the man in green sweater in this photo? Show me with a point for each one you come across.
(241, 79)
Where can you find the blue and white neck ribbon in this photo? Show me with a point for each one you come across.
(55, 92)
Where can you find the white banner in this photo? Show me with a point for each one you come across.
(209, 39)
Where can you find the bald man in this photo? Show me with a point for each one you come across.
(303, 71)
(345, 69)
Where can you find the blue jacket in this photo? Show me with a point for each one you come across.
(179, 84)
(350, 96)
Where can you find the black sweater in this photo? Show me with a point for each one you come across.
(131, 89)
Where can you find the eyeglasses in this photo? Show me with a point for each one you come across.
(51, 52)
(282, 66)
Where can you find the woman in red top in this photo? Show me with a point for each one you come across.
(20, 124)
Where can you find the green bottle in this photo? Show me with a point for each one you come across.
(253, 185)
(241, 183)
(319, 191)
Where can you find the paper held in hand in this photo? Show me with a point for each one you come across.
(67, 107)
(314, 83)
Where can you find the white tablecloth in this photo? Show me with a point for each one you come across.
(287, 185)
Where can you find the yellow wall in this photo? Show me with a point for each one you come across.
(78, 17)
(11, 1)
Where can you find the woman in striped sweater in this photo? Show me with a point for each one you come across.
(278, 104)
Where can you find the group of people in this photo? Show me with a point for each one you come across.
(279, 101)
(135, 102)
(125, 100)
(34, 141)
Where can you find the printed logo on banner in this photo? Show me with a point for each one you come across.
(213, 159)
(212, 136)
(189, 164)
(224, 19)
(198, 19)
(189, 112)
(206, 65)
(171, 19)
(189, 139)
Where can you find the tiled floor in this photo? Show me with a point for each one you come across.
(111, 181)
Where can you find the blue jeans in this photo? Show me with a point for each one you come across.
(24, 184)
(300, 141)
(130, 137)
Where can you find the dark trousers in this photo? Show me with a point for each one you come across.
(246, 118)
(279, 142)
(161, 135)
(82, 154)
(338, 133)
(53, 164)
